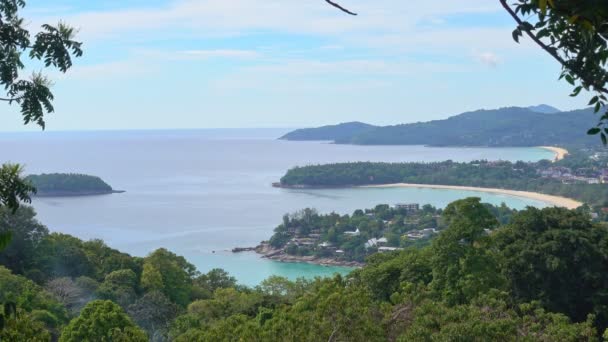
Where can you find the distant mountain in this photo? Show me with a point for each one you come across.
(545, 109)
(334, 132)
(512, 126)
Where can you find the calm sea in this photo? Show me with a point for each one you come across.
(200, 193)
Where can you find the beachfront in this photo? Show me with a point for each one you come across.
(553, 200)
(560, 153)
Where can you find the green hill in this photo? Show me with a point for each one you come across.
(334, 132)
(69, 184)
(512, 126)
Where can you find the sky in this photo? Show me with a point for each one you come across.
(164, 64)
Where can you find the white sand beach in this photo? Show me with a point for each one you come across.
(560, 153)
(553, 200)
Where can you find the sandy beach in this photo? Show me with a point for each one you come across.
(560, 153)
(553, 200)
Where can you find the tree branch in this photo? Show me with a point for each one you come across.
(11, 100)
(539, 42)
(340, 7)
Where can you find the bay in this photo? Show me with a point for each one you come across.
(200, 193)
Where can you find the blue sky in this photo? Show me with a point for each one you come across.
(153, 64)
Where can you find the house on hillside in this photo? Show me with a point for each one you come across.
(355, 233)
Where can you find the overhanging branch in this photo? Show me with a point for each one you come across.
(340, 7)
(544, 46)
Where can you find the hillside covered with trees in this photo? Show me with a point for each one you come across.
(512, 126)
(578, 176)
(469, 283)
(68, 184)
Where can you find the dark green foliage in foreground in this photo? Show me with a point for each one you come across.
(68, 183)
(559, 258)
(468, 285)
(512, 126)
(505, 175)
(102, 321)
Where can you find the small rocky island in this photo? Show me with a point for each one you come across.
(69, 184)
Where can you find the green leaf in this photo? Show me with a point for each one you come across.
(5, 239)
(569, 79)
(593, 100)
(604, 140)
(598, 106)
(593, 131)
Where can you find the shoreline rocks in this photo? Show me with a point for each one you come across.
(268, 252)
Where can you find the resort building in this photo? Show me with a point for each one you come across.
(355, 233)
(408, 206)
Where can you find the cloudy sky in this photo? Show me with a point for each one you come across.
(288, 63)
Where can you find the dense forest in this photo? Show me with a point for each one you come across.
(505, 175)
(540, 276)
(67, 184)
(512, 126)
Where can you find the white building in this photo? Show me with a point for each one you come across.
(355, 233)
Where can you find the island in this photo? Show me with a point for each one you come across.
(69, 184)
(504, 127)
(348, 240)
(579, 178)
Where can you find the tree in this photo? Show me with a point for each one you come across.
(19, 326)
(102, 320)
(462, 262)
(176, 274)
(13, 190)
(54, 46)
(215, 279)
(27, 234)
(574, 33)
(153, 312)
(557, 257)
(119, 286)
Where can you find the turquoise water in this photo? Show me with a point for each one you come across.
(201, 193)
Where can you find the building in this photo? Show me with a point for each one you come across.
(373, 242)
(355, 233)
(408, 206)
(388, 249)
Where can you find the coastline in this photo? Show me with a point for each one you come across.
(77, 194)
(560, 153)
(554, 200)
(267, 252)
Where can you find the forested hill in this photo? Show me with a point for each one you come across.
(513, 126)
(69, 184)
(334, 132)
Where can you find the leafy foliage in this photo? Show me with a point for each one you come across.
(13, 189)
(53, 45)
(102, 321)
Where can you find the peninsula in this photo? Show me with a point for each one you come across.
(503, 127)
(581, 177)
(69, 184)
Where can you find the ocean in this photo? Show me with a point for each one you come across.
(199, 193)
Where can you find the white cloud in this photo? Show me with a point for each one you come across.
(219, 53)
(487, 58)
